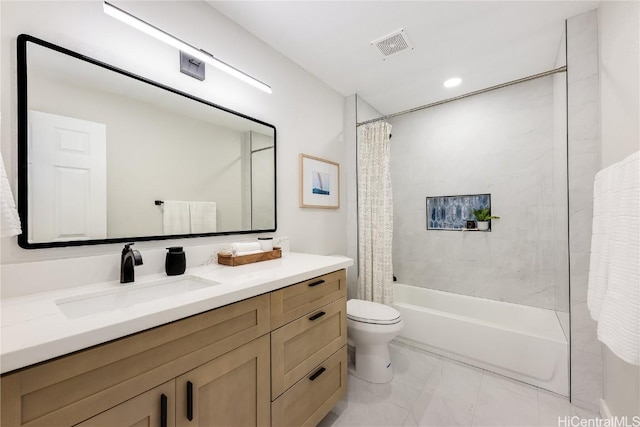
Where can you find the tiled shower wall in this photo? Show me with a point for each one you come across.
(584, 149)
(501, 142)
(584, 162)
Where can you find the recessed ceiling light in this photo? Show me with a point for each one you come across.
(453, 82)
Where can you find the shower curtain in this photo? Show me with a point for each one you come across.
(375, 213)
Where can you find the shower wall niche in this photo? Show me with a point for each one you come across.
(510, 143)
(454, 212)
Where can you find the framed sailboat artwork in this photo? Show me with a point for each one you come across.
(319, 183)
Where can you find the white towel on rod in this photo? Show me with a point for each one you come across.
(10, 225)
(613, 294)
(203, 217)
(175, 217)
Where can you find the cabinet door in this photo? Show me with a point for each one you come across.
(155, 408)
(231, 390)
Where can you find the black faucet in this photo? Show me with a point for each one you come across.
(129, 259)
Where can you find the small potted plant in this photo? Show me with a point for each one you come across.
(484, 216)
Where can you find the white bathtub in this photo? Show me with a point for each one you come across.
(521, 342)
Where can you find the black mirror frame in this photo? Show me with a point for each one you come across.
(23, 187)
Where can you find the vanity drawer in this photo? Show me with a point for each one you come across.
(73, 388)
(290, 303)
(299, 346)
(311, 398)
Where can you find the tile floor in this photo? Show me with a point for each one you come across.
(428, 390)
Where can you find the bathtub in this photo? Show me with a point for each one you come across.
(521, 342)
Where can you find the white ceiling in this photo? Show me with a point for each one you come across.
(483, 42)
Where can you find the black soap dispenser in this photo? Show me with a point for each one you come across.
(176, 261)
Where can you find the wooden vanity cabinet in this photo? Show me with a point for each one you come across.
(293, 302)
(300, 346)
(231, 390)
(311, 398)
(155, 407)
(74, 388)
(309, 353)
(223, 392)
(226, 367)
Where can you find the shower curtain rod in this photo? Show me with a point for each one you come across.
(466, 95)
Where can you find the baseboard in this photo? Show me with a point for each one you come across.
(605, 413)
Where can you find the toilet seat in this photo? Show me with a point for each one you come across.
(372, 312)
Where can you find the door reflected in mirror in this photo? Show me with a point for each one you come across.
(99, 146)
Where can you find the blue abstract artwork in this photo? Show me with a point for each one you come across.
(452, 212)
(320, 183)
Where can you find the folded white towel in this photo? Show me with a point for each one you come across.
(244, 247)
(603, 205)
(614, 278)
(10, 225)
(249, 252)
(203, 217)
(175, 217)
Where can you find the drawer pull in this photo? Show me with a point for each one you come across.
(319, 282)
(317, 315)
(163, 410)
(317, 374)
(189, 400)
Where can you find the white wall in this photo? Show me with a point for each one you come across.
(560, 164)
(619, 81)
(618, 44)
(308, 115)
(584, 161)
(350, 135)
(500, 142)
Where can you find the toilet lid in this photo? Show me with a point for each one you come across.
(372, 312)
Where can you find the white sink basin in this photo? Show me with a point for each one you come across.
(129, 295)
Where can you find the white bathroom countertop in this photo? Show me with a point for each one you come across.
(33, 329)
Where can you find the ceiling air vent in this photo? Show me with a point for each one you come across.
(392, 44)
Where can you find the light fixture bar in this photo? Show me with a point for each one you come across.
(167, 38)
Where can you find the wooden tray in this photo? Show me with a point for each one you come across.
(234, 261)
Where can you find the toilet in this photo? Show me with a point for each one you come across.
(370, 327)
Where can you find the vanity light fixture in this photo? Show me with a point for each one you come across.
(453, 82)
(197, 54)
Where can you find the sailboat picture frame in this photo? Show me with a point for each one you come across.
(319, 183)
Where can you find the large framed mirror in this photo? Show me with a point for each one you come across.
(108, 156)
